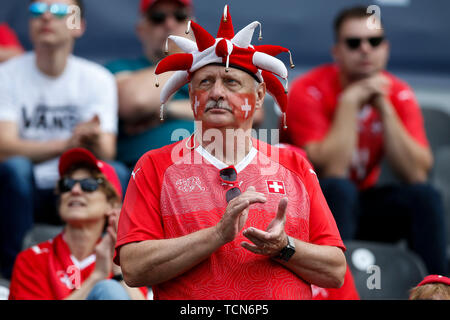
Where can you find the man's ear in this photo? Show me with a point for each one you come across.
(78, 31)
(260, 95)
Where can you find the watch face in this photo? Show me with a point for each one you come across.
(288, 251)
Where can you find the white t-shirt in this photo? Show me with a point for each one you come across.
(47, 108)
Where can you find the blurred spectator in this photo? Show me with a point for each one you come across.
(140, 128)
(51, 101)
(347, 116)
(9, 44)
(433, 287)
(77, 263)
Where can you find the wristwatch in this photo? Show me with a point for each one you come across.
(287, 252)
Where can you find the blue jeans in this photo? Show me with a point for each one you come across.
(413, 212)
(22, 204)
(108, 290)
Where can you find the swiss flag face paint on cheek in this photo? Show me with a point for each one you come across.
(242, 104)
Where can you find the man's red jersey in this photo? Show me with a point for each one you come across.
(175, 191)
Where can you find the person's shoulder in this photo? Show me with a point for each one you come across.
(399, 88)
(37, 251)
(18, 63)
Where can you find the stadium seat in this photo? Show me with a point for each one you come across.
(441, 180)
(383, 271)
(437, 126)
(40, 233)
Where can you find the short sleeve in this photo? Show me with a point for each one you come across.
(409, 112)
(322, 226)
(140, 218)
(306, 115)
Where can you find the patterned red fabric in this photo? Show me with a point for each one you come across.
(176, 192)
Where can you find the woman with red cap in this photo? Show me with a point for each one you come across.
(77, 263)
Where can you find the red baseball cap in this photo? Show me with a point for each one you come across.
(81, 155)
(145, 4)
(434, 278)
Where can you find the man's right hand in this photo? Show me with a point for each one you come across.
(366, 90)
(236, 214)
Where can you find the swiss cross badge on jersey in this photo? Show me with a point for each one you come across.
(276, 187)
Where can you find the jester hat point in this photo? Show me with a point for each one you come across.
(228, 49)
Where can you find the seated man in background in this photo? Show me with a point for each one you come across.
(50, 101)
(140, 128)
(348, 116)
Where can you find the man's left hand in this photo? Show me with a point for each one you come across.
(271, 241)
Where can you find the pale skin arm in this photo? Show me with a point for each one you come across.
(410, 160)
(140, 98)
(86, 134)
(12, 145)
(332, 156)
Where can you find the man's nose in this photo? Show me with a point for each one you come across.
(365, 46)
(171, 23)
(217, 91)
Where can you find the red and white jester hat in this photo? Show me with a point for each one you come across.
(229, 49)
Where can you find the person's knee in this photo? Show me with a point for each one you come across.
(108, 290)
(339, 188)
(424, 193)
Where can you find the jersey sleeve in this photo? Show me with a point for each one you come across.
(306, 114)
(322, 226)
(140, 217)
(409, 112)
(29, 279)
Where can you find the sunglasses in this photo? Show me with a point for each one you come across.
(159, 17)
(59, 10)
(354, 43)
(229, 178)
(87, 184)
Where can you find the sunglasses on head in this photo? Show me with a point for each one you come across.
(59, 10)
(355, 43)
(229, 177)
(159, 17)
(87, 184)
